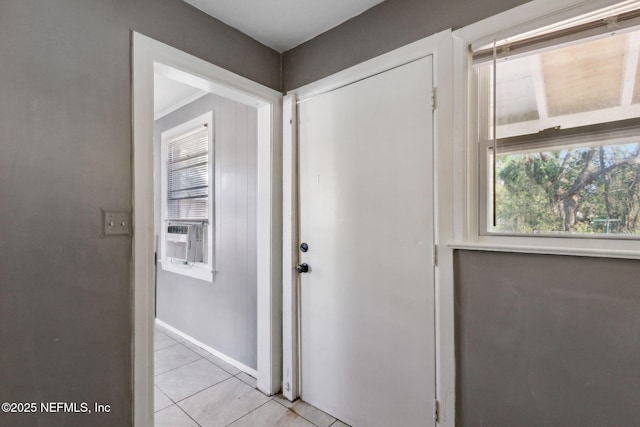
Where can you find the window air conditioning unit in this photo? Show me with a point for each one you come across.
(185, 242)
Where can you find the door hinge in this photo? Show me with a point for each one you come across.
(436, 410)
(433, 99)
(435, 255)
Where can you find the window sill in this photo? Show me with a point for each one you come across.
(548, 250)
(197, 271)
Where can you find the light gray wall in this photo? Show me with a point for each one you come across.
(221, 314)
(65, 152)
(387, 26)
(547, 340)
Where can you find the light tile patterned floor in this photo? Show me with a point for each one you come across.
(196, 389)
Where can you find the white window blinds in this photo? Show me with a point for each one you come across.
(188, 177)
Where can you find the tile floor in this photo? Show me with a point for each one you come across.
(194, 388)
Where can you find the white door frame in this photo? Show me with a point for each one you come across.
(145, 53)
(440, 46)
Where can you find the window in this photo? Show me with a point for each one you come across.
(187, 196)
(559, 129)
(188, 176)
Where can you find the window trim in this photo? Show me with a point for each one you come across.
(199, 270)
(468, 189)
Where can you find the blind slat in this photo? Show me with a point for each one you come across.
(184, 179)
(194, 161)
(188, 177)
(190, 209)
(189, 193)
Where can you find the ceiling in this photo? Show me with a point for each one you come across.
(169, 95)
(279, 24)
(283, 24)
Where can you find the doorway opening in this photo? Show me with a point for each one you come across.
(205, 152)
(207, 209)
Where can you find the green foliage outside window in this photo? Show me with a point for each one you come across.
(593, 190)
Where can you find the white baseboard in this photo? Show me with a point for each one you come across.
(229, 360)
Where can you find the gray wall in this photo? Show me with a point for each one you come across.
(387, 26)
(547, 340)
(221, 314)
(65, 152)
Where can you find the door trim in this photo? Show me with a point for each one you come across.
(440, 46)
(145, 53)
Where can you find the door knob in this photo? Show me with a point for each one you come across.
(302, 268)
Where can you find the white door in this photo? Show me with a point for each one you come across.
(366, 214)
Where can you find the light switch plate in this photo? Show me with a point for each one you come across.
(116, 223)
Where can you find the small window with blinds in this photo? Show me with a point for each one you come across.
(188, 198)
(559, 128)
(188, 176)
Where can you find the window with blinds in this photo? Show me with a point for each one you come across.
(559, 128)
(188, 176)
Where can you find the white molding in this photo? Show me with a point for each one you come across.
(444, 205)
(548, 250)
(143, 234)
(290, 320)
(440, 46)
(145, 53)
(464, 160)
(568, 121)
(198, 270)
(230, 360)
(269, 244)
